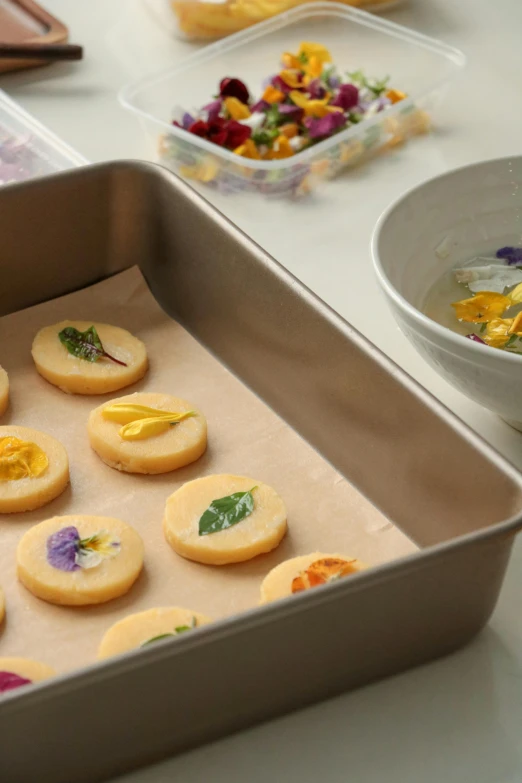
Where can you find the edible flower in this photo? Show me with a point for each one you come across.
(224, 133)
(248, 150)
(515, 295)
(281, 148)
(236, 109)
(498, 332)
(234, 88)
(292, 78)
(309, 49)
(482, 307)
(314, 107)
(140, 421)
(347, 97)
(9, 681)
(513, 255)
(394, 96)
(324, 126)
(66, 551)
(21, 459)
(272, 94)
(320, 572)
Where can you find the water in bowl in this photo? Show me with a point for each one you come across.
(491, 319)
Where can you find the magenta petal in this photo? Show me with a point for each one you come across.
(475, 338)
(62, 547)
(260, 106)
(290, 112)
(9, 681)
(213, 109)
(347, 97)
(324, 126)
(316, 89)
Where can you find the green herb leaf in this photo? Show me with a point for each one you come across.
(158, 638)
(85, 345)
(273, 116)
(264, 136)
(226, 512)
(511, 340)
(483, 327)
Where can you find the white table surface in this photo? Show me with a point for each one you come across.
(457, 719)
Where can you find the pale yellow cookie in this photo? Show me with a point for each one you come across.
(180, 444)
(30, 489)
(78, 376)
(304, 572)
(78, 560)
(144, 628)
(4, 391)
(258, 532)
(18, 672)
(2, 605)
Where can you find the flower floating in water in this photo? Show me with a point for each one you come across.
(68, 552)
(308, 93)
(320, 572)
(482, 307)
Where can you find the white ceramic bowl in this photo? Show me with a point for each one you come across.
(467, 212)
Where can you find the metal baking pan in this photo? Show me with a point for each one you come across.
(430, 475)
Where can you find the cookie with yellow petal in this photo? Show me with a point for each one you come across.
(147, 433)
(224, 519)
(306, 571)
(82, 357)
(34, 469)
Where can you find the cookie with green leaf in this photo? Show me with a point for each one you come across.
(82, 357)
(224, 519)
(144, 629)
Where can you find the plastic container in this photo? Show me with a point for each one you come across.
(418, 65)
(27, 148)
(213, 19)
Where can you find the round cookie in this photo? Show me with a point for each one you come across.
(143, 628)
(4, 391)
(79, 376)
(17, 672)
(259, 531)
(79, 560)
(30, 492)
(180, 445)
(2, 605)
(295, 575)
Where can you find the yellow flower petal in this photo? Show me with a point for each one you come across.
(313, 108)
(281, 148)
(292, 78)
(248, 150)
(314, 67)
(149, 428)
(291, 61)
(236, 109)
(309, 49)
(516, 294)
(395, 96)
(498, 332)
(272, 95)
(21, 459)
(516, 326)
(482, 307)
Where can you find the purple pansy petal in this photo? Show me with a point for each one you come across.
(260, 106)
(513, 255)
(333, 82)
(290, 112)
(62, 547)
(475, 338)
(324, 126)
(9, 681)
(279, 84)
(187, 120)
(213, 108)
(347, 97)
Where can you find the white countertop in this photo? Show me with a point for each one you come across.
(454, 720)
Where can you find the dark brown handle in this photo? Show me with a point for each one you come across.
(40, 51)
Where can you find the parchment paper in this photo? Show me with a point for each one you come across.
(245, 437)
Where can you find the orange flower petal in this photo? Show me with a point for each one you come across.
(272, 95)
(482, 307)
(291, 61)
(395, 96)
(290, 130)
(322, 571)
(248, 150)
(292, 78)
(236, 109)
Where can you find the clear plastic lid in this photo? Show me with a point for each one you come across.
(27, 148)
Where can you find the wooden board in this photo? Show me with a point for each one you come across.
(24, 21)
